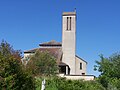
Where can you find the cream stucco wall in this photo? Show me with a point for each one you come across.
(91, 77)
(77, 67)
(69, 41)
(78, 77)
(27, 54)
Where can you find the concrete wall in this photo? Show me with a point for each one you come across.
(91, 77)
(78, 77)
(84, 66)
(27, 54)
(69, 42)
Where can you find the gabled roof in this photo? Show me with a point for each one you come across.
(81, 59)
(51, 43)
(56, 52)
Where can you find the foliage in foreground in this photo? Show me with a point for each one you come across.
(42, 64)
(12, 75)
(110, 71)
(58, 83)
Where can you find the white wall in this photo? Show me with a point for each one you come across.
(91, 77)
(84, 65)
(69, 42)
(27, 54)
(78, 77)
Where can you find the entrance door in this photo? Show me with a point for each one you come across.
(62, 69)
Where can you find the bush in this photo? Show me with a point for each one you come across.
(114, 84)
(38, 82)
(57, 83)
(42, 64)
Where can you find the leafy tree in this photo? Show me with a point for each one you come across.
(42, 64)
(12, 74)
(110, 70)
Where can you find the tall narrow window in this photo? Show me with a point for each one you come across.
(68, 23)
(80, 66)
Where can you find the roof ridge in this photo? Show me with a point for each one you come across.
(51, 43)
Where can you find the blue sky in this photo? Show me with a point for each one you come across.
(26, 23)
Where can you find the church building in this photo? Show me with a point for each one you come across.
(69, 63)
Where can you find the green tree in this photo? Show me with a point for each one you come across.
(110, 70)
(12, 74)
(42, 64)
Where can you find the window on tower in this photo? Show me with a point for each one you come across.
(68, 23)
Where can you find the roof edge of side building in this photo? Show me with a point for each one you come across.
(30, 50)
(81, 58)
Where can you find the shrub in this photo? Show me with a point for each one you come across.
(58, 83)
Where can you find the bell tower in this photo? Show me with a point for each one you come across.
(69, 40)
